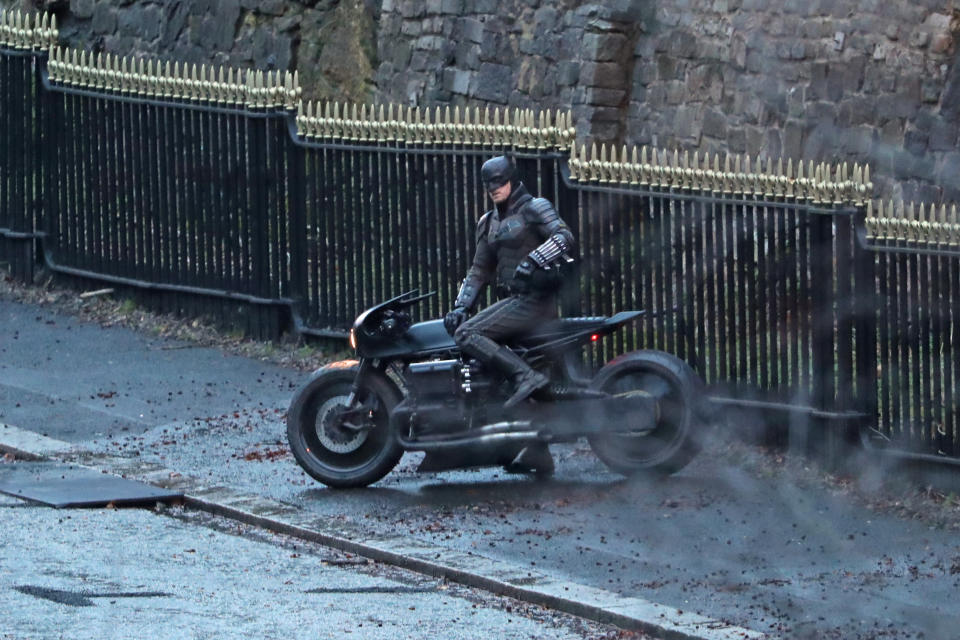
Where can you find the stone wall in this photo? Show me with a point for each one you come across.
(831, 80)
(330, 42)
(857, 80)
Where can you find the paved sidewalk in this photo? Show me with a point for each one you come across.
(131, 573)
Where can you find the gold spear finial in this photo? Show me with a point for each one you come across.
(584, 164)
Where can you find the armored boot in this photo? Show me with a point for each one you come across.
(525, 379)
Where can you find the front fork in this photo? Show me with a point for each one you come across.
(365, 365)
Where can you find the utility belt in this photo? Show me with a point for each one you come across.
(530, 287)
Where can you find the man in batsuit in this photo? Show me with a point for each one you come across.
(521, 244)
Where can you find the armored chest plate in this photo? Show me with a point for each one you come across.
(508, 233)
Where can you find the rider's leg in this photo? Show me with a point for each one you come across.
(481, 335)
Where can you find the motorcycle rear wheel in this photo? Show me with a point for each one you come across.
(320, 436)
(671, 443)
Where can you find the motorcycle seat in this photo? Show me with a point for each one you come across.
(560, 327)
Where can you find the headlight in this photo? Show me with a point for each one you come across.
(353, 339)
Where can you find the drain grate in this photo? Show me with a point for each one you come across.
(60, 485)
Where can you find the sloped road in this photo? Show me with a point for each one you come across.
(752, 549)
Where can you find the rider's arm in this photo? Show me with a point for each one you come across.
(558, 239)
(481, 271)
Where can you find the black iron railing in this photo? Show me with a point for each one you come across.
(222, 193)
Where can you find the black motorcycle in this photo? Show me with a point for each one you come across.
(411, 390)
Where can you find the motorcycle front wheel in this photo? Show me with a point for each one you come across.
(672, 441)
(344, 445)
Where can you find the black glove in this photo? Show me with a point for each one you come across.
(454, 319)
(524, 270)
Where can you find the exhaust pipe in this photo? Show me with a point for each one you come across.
(491, 434)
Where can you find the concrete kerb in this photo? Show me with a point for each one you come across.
(468, 569)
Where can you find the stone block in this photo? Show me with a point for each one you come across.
(270, 50)
(683, 44)
(607, 75)
(643, 73)
(421, 61)
(104, 19)
(472, 30)
(411, 10)
(857, 141)
(493, 83)
(656, 95)
(941, 43)
(714, 124)
(604, 47)
(792, 139)
(430, 43)
(676, 92)
(411, 28)
(919, 38)
(736, 140)
(457, 81)
(891, 132)
(147, 25)
(467, 55)
(878, 80)
(82, 8)
(546, 18)
(604, 97)
(891, 107)
(568, 72)
(756, 139)
(669, 68)
(434, 7)
(756, 61)
(272, 7)
(452, 7)
(940, 21)
(819, 142)
(943, 135)
(948, 176)
(915, 141)
(688, 123)
(856, 110)
(908, 165)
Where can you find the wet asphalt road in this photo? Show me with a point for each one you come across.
(757, 551)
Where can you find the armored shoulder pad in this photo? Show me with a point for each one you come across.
(483, 224)
(540, 210)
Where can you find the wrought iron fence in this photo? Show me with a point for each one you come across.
(21, 134)
(221, 192)
(915, 253)
(751, 275)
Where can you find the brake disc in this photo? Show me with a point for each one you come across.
(331, 433)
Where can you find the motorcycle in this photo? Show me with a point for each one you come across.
(412, 390)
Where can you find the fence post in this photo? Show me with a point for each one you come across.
(823, 332)
(568, 207)
(297, 224)
(866, 377)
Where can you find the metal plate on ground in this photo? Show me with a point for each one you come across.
(62, 486)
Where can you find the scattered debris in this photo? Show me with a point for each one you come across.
(93, 294)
